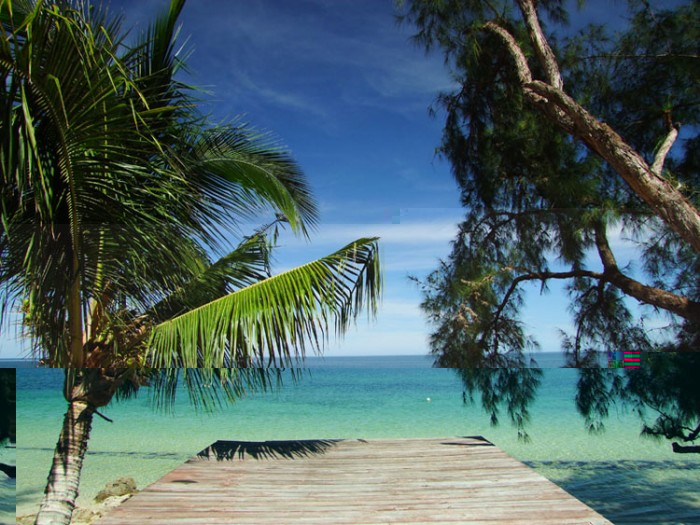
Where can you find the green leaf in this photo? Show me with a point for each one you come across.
(271, 321)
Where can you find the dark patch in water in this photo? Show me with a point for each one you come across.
(630, 492)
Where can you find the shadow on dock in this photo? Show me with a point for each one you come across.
(474, 441)
(353, 481)
(288, 449)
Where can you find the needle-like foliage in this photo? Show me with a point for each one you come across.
(560, 142)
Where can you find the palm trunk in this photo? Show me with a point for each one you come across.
(62, 487)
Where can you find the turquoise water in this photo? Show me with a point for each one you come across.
(626, 478)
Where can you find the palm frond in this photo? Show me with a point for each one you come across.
(154, 60)
(269, 323)
(246, 265)
(209, 389)
(14, 12)
(115, 190)
(244, 172)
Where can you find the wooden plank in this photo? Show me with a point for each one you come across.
(464, 481)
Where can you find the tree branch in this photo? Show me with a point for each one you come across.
(671, 302)
(10, 470)
(658, 165)
(540, 276)
(521, 66)
(542, 47)
(694, 434)
(677, 304)
(660, 195)
(525, 77)
(104, 417)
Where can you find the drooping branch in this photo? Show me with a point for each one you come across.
(676, 304)
(688, 449)
(542, 276)
(536, 276)
(587, 311)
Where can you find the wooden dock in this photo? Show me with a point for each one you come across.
(451, 481)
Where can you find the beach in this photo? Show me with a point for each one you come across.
(626, 478)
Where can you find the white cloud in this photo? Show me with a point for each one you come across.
(413, 234)
(357, 44)
(405, 248)
(284, 99)
(399, 310)
(367, 341)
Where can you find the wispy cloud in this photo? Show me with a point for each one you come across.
(412, 234)
(275, 97)
(254, 46)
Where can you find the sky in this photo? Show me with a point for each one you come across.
(341, 85)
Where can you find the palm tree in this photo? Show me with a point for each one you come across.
(116, 204)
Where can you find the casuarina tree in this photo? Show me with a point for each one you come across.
(562, 143)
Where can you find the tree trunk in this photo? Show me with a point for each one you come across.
(62, 487)
(86, 389)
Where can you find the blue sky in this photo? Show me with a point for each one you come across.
(340, 84)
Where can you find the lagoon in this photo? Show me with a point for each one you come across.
(627, 478)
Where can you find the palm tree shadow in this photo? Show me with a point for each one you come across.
(477, 441)
(288, 449)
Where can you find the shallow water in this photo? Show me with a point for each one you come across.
(625, 477)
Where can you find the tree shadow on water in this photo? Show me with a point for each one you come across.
(629, 491)
(7, 499)
(665, 396)
(289, 449)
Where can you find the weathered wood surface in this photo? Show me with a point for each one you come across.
(451, 481)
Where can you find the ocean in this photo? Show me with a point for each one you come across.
(627, 478)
